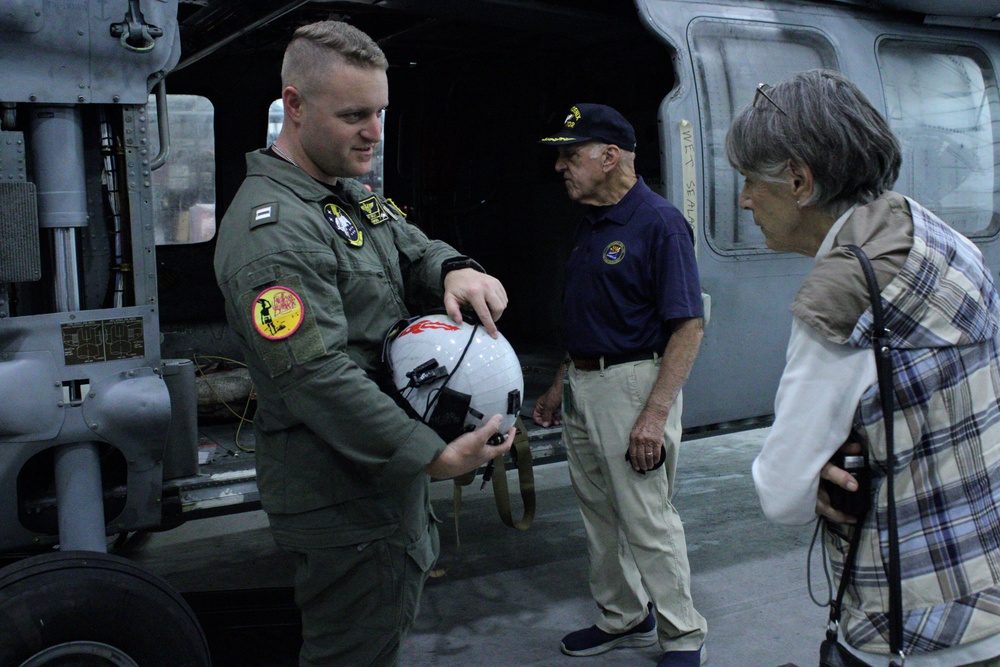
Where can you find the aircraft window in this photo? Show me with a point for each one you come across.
(184, 187)
(275, 119)
(731, 58)
(374, 179)
(941, 101)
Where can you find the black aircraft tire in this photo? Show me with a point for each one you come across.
(80, 600)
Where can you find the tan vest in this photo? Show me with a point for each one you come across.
(834, 294)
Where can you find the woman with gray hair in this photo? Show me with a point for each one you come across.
(819, 161)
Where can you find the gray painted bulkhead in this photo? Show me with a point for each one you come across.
(737, 370)
(80, 373)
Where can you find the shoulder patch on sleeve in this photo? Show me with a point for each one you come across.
(263, 214)
(283, 330)
(277, 312)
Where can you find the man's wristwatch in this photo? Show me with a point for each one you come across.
(460, 262)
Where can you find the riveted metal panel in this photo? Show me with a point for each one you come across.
(67, 52)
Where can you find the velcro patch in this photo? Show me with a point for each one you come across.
(373, 210)
(277, 312)
(343, 225)
(263, 214)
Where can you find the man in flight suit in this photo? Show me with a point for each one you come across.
(343, 471)
(632, 324)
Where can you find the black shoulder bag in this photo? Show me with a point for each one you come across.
(831, 652)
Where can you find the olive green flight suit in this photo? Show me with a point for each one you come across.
(340, 465)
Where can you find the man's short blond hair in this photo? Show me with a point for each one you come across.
(318, 46)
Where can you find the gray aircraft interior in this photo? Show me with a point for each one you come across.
(124, 129)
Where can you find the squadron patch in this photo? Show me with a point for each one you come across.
(277, 312)
(373, 210)
(614, 252)
(343, 225)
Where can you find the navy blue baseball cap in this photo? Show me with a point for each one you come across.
(594, 122)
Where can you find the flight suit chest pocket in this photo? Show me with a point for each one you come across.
(367, 279)
(282, 326)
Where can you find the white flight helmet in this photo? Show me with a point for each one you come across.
(455, 376)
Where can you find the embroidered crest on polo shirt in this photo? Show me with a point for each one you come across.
(373, 210)
(343, 225)
(614, 252)
(277, 312)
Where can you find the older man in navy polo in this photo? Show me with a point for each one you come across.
(632, 325)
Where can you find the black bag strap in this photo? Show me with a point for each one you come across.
(883, 368)
(836, 604)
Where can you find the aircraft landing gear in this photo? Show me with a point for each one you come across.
(94, 610)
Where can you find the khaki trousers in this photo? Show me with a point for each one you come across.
(635, 538)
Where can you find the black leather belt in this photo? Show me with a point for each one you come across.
(594, 364)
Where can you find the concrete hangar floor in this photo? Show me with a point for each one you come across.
(507, 597)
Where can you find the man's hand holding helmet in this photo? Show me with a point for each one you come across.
(470, 451)
(484, 293)
(451, 377)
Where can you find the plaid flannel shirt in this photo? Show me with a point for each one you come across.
(942, 315)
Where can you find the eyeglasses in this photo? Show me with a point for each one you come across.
(762, 91)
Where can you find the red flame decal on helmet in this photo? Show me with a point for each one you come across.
(424, 325)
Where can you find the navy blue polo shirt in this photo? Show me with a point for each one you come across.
(632, 268)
